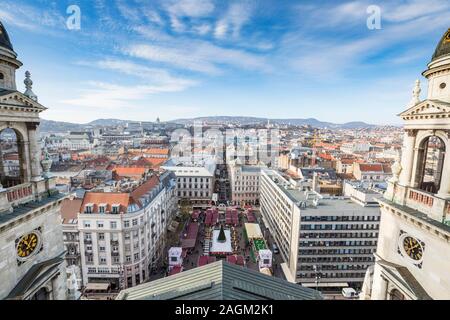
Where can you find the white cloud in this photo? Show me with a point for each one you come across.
(176, 24)
(198, 56)
(221, 29)
(32, 19)
(190, 8)
(112, 96)
(334, 54)
(414, 9)
(236, 17)
(106, 95)
(202, 29)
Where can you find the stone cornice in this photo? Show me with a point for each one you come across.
(430, 226)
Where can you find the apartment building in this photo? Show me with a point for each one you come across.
(122, 235)
(326, 242)
(376, 172)
(244, 182)
(194, 182)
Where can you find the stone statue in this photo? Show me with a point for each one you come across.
(46, 163)
(396, 169)
(416, 94)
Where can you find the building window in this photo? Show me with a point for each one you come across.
(430, 164)
(99, 224)
(115, 208)
(126, 223)
(2, 76)
(87, 224)
(101, 236)
(113, 225)
(89, 208)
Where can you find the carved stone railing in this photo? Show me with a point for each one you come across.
(421, 197)
(428, 203)
(19, 194)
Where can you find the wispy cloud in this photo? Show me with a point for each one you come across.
(29, 18)
(198, 56)
(235, 18)
(190, 8)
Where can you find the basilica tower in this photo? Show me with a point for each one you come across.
(32, 250)
(413, 253)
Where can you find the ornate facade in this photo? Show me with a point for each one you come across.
(31, 246)
(413, 253)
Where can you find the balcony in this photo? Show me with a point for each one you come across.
(428, 203)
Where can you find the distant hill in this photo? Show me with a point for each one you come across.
(58, 126)
(297, 122)
(108, 122)
(50, 126)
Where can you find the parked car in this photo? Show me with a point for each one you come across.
(275, 248)
(349, 293)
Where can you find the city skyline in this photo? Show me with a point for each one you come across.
(133, 60)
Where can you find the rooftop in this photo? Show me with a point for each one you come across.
(219, 281)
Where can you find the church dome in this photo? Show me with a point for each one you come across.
(4, 38)
(443, 48)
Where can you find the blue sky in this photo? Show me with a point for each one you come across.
(137, 59)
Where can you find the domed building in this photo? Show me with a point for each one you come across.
(32, 250)
(413, 253)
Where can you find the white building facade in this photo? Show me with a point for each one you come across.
(122, 236)
(330, 238)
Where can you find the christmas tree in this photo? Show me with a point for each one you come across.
(221, 237)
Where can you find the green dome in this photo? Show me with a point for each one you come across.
(443, 48)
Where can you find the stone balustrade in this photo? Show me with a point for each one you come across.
(428, 203)
(19, 194)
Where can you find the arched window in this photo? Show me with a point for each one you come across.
(431, 162)
(396, 295)
(10, 160)
(2, 76)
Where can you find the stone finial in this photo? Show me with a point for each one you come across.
(396, 168)
(29, 85)
(416, 94)
(46, 163)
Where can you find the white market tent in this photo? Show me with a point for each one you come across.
(253, 231)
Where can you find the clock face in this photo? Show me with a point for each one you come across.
(27, 245)
(412, 248)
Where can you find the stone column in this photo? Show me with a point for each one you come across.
(444, 190)
(380, 285)
(407, 161)
(35, 152)
(24, 152)
(416, 166)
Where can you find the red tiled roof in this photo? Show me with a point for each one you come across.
(70, 209)
(108, 198)
(370, 167)
(137, 193)
(129, 171)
